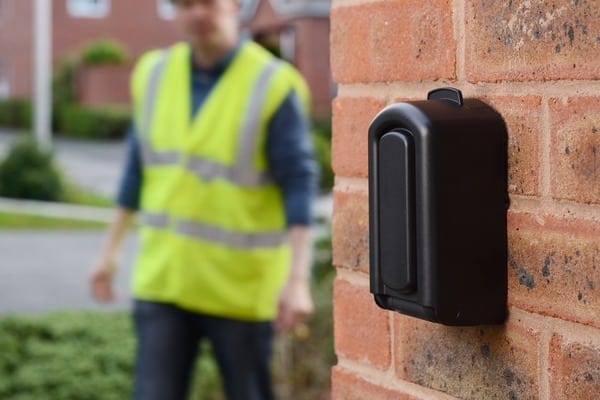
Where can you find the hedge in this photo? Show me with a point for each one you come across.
(104, 51)
(88, 355)
(29, 172)
(16, 113)
(108, 122)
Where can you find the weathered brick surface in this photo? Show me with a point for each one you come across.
(361, 329)
(486, 362)
(351, 118)
(575, 370)
(532, 40)
(350, 229)
(104, 84)
(524, 130)
(400, 40)
(349, 386)
(555, 274)
(576, 149)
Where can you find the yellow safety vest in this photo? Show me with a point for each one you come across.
(212, 233)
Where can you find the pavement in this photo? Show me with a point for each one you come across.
(45, 270)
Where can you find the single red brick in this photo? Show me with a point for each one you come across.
(346, 385)
(554, 273)
(350, 228)
(351, 119)
(575, 370)
(361, 329)
(525, 40)
(575, 147)
(401, 40)
(523, 141)
(485, 362)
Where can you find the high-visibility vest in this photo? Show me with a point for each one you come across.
(212, 222)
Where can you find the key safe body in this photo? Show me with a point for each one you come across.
(437, 209)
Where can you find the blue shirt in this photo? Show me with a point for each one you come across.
(288, 148)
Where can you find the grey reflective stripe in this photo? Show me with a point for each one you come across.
(154, 220)
(213, 233)
(210, 169)
(153, 157)
(242, 173)
(251, 123)
(151, 92)
(230, 238)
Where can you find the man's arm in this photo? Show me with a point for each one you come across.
(295, 301)
(102, 272)
(291, 159)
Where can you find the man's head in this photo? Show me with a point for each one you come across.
(209, 25)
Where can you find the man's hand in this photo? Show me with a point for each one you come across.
(101, 281)
(102, 273)
(295, 304)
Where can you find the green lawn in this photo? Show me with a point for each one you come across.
(22, 221)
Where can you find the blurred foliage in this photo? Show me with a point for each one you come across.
(89, 354)
(106, 122)
(64, 83)
(104, 51)
(11, 220)
(16, 113)
(81, 355)
(303, 358)
(321, 135)
(29, 172)
(75, 194)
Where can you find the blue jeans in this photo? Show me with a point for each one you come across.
(168, 343)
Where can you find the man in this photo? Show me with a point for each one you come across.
(220, 169)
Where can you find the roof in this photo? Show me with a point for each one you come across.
(287, 8)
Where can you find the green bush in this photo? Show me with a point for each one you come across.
(16, 113)
(108, 122)
(105, 51)
(85, 355)
(89, 354)
(28, 172)
(64, 79)
(321, 136)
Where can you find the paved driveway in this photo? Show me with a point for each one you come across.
(47, 270)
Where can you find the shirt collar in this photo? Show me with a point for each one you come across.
(220, 66)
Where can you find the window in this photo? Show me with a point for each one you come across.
(165, 8)
(88, 8)
(287, 44)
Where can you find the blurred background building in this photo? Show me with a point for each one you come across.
(296, 30)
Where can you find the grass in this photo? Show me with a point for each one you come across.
(74, 194)
(24, 221)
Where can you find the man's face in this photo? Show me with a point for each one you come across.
(207, 24)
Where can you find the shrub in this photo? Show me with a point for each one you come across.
(321, 136)
(64, 89)
(89, 354)
(94, 122)
(84, 355)
(105, 51)
(28, 172)
(16, 113)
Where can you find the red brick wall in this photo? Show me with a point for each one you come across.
(135, 23)
(16, 52)
(538, 64)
